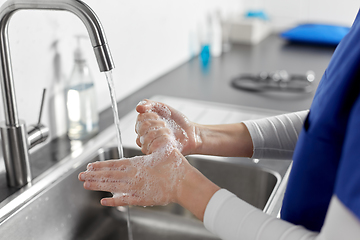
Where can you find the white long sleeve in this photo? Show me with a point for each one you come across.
(276, 137)
(231, 218)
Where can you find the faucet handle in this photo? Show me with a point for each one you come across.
(42, 105)
(38, 133)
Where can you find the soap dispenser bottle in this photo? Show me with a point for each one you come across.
(83, 118)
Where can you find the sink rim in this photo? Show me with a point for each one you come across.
(80, 155)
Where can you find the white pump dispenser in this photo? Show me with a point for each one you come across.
(83, 119)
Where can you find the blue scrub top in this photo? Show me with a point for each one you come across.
(327, 155)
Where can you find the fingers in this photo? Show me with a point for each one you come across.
(109, 179)
(155, 115)
(123, 195)
(120, 164)
(150, 128)
(148, 121)
(148, 106)
(143, 180)
(110, 202)
(106, 171)
(160, 143)
(144, 106)
(123, 200)
(105, 186)
(156, 139)
(106, 176)
(147, 116)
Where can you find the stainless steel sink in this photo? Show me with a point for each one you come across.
(243, 177)
(56, 206)
(64, 210)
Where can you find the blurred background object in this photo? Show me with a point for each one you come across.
(312, 33)
(250, 28)
(278, 81)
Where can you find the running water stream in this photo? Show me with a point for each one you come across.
(117, 126)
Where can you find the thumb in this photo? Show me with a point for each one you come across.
(144, 106)
(159, 108)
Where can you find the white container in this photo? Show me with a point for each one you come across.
(248, 30)
(216, 35)
(57, 102)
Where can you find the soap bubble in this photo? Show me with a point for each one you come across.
(143, 102)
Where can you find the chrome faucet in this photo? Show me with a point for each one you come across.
(15, 140)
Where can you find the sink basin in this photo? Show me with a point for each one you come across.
(56, 206)
(67, 211)
(248, 181)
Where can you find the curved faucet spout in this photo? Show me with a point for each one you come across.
(77, 7)
(16, 137)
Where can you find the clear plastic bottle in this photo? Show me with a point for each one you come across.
(83, 118)
(57, 96)
(216, 34)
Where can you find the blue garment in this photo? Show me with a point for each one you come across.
(327, 155)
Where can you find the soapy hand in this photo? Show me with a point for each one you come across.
(159, 125)
(154, 179)
(164, 175)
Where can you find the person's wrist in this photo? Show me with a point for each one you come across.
(195, 191)
(197, 143)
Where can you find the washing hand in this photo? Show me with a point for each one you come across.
(159, 125)
(154, 179)
(163, 175)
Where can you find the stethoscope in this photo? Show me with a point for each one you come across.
(278, 81)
